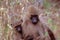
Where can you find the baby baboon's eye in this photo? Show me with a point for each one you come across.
(34, 19)
(19, 28)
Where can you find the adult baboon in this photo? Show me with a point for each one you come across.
(31, 28)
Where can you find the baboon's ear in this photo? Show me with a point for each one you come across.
(52, 37)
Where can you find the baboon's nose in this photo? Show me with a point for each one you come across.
(34, 19)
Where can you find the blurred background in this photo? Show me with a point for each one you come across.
(11, 10)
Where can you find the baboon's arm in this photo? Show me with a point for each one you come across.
(52, 37)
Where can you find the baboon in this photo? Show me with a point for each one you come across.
(31, 28)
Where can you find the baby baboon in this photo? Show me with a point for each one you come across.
(31, 27)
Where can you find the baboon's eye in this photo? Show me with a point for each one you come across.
(34, 19)
(19, 28)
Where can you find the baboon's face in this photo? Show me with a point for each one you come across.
(34, 19)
